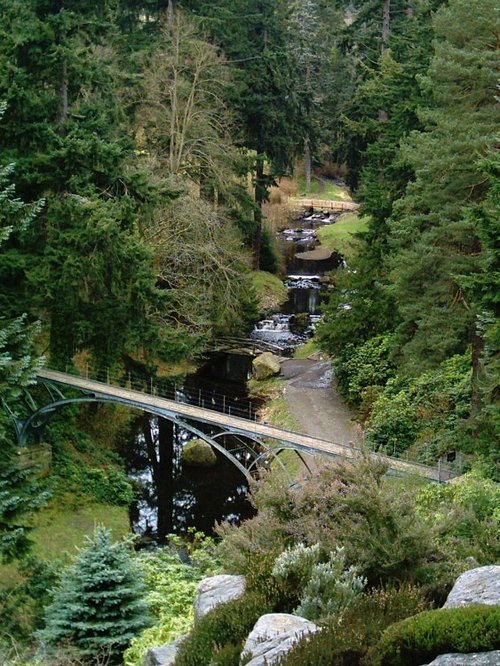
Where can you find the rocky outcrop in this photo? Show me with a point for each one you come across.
(273, 636)
(164, 655)
(198, 453)
(217, 590)
(266, 365)
(477, 586)
(475, 659)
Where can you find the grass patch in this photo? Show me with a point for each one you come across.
(271, 292)
(276, 412)
(60, 529)
(325, 190)
(339, 236)
(305, 350)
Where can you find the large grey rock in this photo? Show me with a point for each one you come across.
(266, 365)
(477, 586)
(198, 453)
(273, 636)
(164, 655)
(473, 659)
(217, 590)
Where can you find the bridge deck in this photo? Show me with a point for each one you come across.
(235, 424)
(323, 204)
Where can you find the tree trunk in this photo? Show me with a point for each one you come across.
(477, 368)
(63, 96)
(162, 464)
(171, 7)
(383, 116)
(62, 115)
(260, 192)
(307, 163)
(386, 23)
(165, 480)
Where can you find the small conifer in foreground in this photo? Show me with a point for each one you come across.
(99, 605)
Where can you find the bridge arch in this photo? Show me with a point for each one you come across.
(39, 418)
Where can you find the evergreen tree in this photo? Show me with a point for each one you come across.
(264, 98)
(19, 495)
(433, 243)
(98, 607)
(482, 431)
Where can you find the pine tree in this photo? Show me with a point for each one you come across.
(98, 607)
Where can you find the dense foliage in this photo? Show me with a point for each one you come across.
(422, 294)
(146, 134)
(170, 584)
(358, 553)
(444, 631)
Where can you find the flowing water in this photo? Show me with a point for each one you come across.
(299, 315)
(174, 497)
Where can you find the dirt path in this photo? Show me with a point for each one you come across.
(312, 399)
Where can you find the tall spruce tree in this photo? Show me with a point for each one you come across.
(19, 494)
(98, 607)
(433, 243)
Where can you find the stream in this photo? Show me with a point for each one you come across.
(173, 497)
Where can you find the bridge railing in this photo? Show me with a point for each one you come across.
(165, 387)
(253, 345)
(218, 402)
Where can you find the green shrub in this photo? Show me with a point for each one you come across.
(422, 412)
(345, 640)
(323, 588)
(465, 516)
(170, 590)
(229, 655)
(393, 425)
(368, 365)
(349, 504)
(420, 639)
(225, 627)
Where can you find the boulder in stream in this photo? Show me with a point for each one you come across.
(266, 365)
(198, 453)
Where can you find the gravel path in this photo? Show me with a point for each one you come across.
(315, 403)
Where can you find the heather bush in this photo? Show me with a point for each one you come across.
(221, 633)
(345, 640)
(420, 639)
(348, 504)
(323, 588)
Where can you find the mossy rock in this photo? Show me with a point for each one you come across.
(266, 365)
(198, 453)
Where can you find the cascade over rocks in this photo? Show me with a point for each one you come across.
(266, 365)
(217, 590)
(477, 586)
(274, 635)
